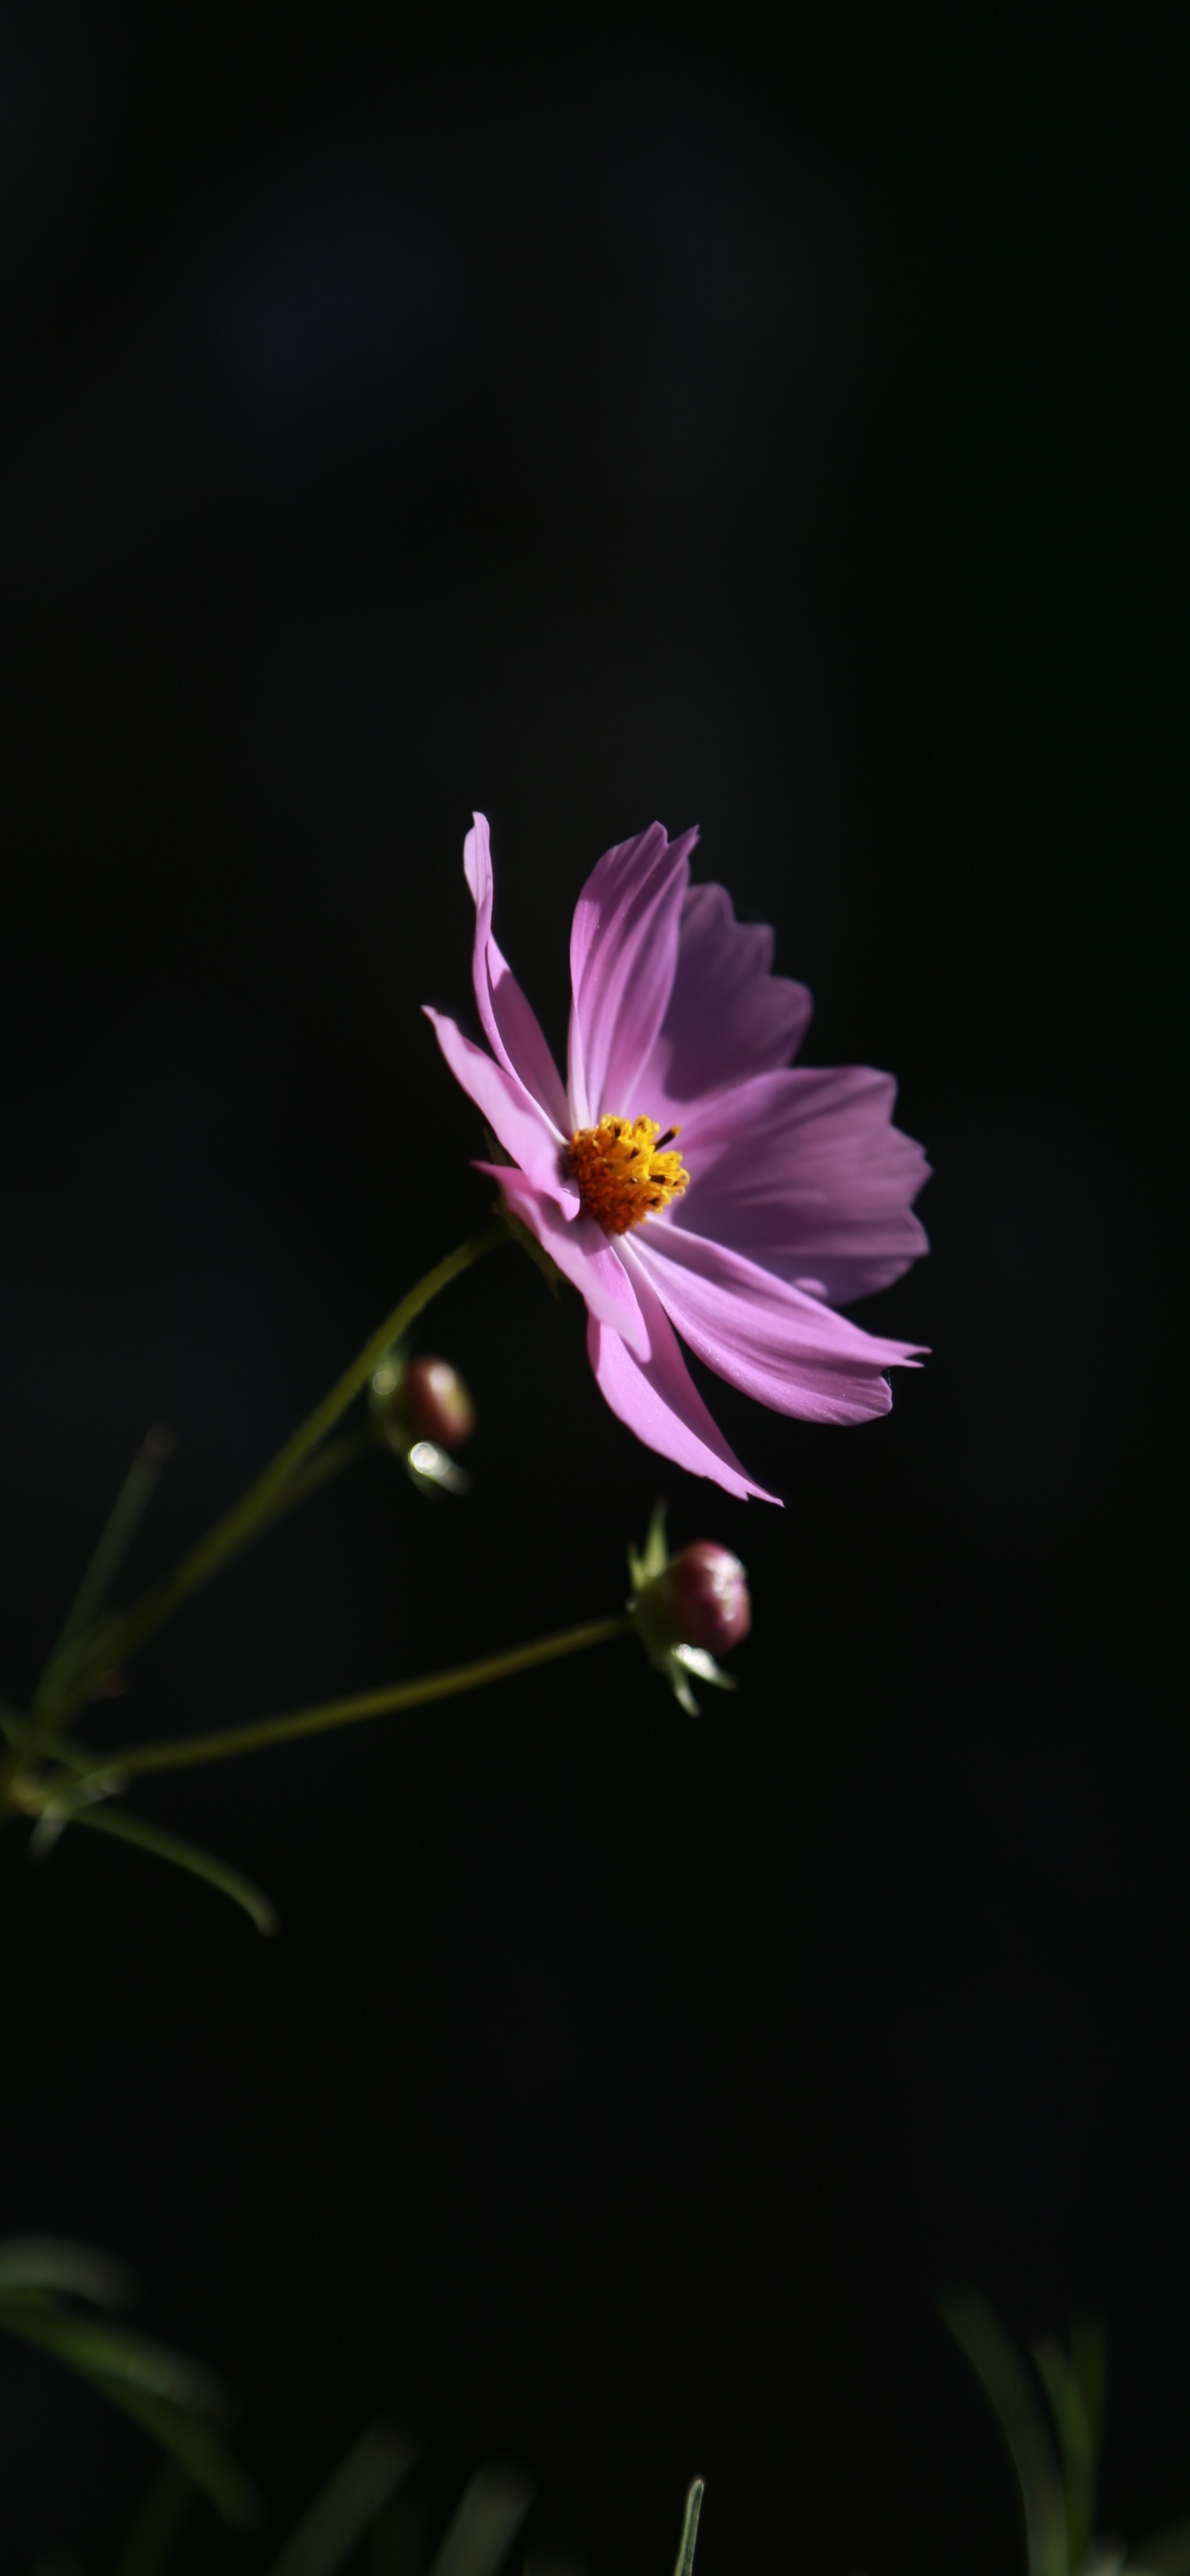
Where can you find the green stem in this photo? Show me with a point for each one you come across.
(329, 1714)
(118, 1642)
(328, 1463)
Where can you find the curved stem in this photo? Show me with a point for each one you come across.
(121, 1639)
(329, 1714)
(327, 1463)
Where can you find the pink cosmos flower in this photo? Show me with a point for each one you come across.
(790, 1190)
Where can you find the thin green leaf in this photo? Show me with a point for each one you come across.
(685, 2563)
(218, 1874)
(1077, 2444)
(1166, 2554)
(48, 2263)
(150, 2542)
(115, 1539)
(200, 2451)
(348, 2504)
(105, 2359)
(492, 2510)
(1088, 2361)
(1007, 2385)
(399, 2546)
(115, 2353)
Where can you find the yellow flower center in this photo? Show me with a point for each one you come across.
(623, 1175)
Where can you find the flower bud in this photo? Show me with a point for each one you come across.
(687, 1608)
(423, 1410)
(437, 1405)
(702, 1598)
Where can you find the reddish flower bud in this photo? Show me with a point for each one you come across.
(688, 1608)
(703, 1598)
(436, 1403)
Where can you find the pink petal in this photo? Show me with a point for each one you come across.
(728, 1016)
(510, 1024)
(658, 1399)
(804, 1172)
(513, 1115)
(772, 1340)
(582, 1252)
(623, 948)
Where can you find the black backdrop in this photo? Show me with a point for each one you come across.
(759, 419)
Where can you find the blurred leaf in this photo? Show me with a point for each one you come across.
(150, 2543)
(399, 2546)
(115, 1539)
(1088, 2360)
(197, 2447)
(49, 2264)
(158, 2388)
(348, 2504)
(215, 1873)
(1166, 2554)
(690, 2529)
(114, 2352)
(1078, 2445)
(997, 2364)
(488, 2519)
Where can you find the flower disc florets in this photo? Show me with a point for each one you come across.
(623, 1174)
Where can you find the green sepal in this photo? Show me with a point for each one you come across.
(674, 1662)
(646, 1564)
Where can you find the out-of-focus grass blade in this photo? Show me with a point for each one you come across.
(995, 2362)
(1166, 2554)
(157, 2387)
(1077, 2443)
(342, 2513)
(200, 1864)
(1088, 2361)
(198, 2448)
(399, 2539)
(690, 2529)
(150, 2542)
(47, 2264)
(114, 2352)
(114, 1542)
(492, 2510)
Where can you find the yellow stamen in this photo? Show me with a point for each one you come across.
(622, 1177)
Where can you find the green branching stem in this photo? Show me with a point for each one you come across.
(134, 1760)
(108, 1645)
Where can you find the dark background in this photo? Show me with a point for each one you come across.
(759, 418)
